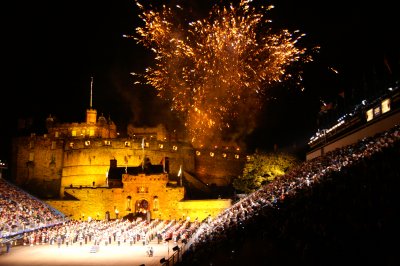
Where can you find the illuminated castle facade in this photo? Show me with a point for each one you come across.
(87, 169)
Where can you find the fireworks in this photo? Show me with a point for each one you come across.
(215, 71)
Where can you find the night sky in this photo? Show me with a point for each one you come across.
(51, 49)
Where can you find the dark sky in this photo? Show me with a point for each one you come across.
(51, 49)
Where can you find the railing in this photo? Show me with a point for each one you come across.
(176, 256)
(19, 230)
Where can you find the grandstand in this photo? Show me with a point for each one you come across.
(22, 212)
(335, 209)
(366, 119)
(338, 207)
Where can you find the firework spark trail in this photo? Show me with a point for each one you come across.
(215, 70)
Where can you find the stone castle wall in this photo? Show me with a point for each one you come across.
(79, 166)
(77, 163)
(95, 202)
(44, 159)
(164, 201)
(218, 166)
(37, 158)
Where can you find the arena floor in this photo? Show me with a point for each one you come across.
(47, 255)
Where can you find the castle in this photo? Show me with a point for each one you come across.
(88, 170)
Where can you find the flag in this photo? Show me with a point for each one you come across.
(180, 171)
(180, 175)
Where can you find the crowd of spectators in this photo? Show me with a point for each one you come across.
(335, 209)
(20, 211)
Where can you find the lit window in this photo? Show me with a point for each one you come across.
(385, 106)
(87, 142)
(236, 156)
(198, 153)
(71, 144)
(127, 144)
(224, 155)
(107, 142)
(370, 115)
(161, 146)
(211, 154)
(73, 133)
(175, 148)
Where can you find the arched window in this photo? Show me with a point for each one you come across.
(128, 203)
(155, 203)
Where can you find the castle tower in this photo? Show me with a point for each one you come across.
(49, 122)
(91, 116)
